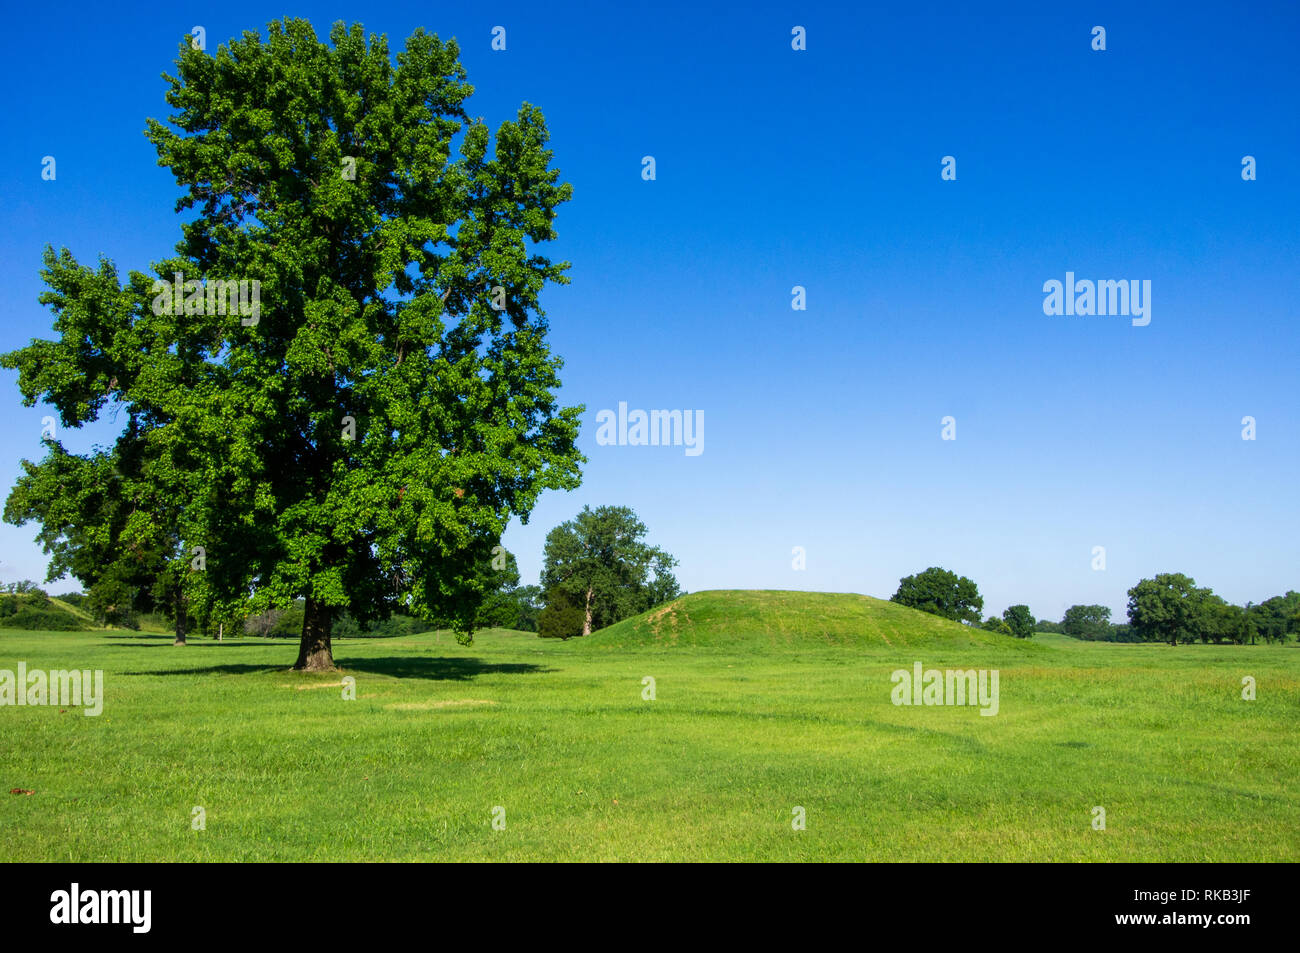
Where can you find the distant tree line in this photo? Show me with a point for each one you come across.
(1171, 608)
(1168, 608)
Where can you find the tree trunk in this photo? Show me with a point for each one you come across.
(586, 622)
(315, 653)
(180, 620)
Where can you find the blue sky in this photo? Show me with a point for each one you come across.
(821, 168)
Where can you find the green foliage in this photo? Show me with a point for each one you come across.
(397, 625)
(599, 563)
(1276, 618)
(1172, 608)
(360, 441)
(44, 620)
(942, 593)
(1218, 621)
(25, 605)
(1020, 621)
(100, 520)
(26, 587)
(289, 622)
(994, 624)
(560, 618)
(1087, 622)
(1122, 632)
(1166, 609)
(504, 606)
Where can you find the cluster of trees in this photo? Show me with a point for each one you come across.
(944, 593)
(356, 440)
(1171, 608)
(1016, 621)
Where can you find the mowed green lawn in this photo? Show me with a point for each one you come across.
(740, 733)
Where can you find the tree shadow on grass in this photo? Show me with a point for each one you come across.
(216, 670)
(145, 638)
(153, 641)
(440, 669)
(436, 669)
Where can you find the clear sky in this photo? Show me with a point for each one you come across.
(821, 168)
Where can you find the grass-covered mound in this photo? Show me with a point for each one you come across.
(36, 611)
(783, 618)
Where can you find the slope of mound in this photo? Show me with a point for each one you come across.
(777, 618)
(82, 615)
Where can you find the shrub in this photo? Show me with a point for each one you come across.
(289, 624)
(43, 620)
(994, 624)
(345, 626)
(560, 619)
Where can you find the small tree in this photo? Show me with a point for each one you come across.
(560, 618)
(994, 624)
(1020, 621)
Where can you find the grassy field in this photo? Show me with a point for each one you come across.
(764, 702)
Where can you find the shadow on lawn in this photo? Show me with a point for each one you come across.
(436, 669)
(167, 641)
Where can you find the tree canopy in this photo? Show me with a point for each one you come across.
(942, 593)
(1020, 621)
(1086, 622)
(340, 382)
(600, 564)
(1165, 608)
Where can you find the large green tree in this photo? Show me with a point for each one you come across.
(1166, 608)
(361, 429)
(600, 563)
(941, 593)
